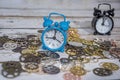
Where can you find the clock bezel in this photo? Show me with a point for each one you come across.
(94, 24)
(61, 48)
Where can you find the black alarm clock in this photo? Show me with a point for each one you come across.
(102, 21)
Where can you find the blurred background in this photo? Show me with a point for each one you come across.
(22, 15)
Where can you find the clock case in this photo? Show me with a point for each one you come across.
(62, 26)
(102, 14)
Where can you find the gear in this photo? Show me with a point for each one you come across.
(30, 58)
(9, 45)
(115, 52)
(18, 49)
(11, 69)
(53, 55)
(50, 69)
(110, 66)
(105, 45)
(70, 76)
(78, 70)
(21, 42)
(71, 52)
(102, 72)
(33, 40)
(4, 39)
(28, 51)
(64, 61)
(31, 67)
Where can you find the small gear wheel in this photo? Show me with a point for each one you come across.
(50, 69)
(111, 66)
(9, 45)
(78, 70)
(31, 67)
(70, 76)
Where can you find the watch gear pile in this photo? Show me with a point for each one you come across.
(44, 62)
(106, 45)
(22, 42)
(65, 65)
(16, 44)
(3, 39)
(115, 52)
(73, 35)
(95, 50)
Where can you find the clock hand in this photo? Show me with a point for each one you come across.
(55, 33)
(54, 37)
(107, 25)
(58, 40)
(104, 19)
(49, 37)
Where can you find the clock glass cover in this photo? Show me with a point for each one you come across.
(104, 25)
(53, 38)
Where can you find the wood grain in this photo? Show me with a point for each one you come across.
(37, 22)
(84, 33)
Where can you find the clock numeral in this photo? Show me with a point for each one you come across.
(57, 44)
(49, 43)
(46, 39)
(53, 44)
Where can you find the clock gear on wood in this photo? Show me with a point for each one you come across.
(54, 37)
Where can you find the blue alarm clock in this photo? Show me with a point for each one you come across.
(54, 37)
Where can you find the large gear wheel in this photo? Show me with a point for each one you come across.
(102, 72)
(11, 69)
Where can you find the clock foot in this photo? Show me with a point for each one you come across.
(109, 33)
(95, 33)
(61, 50)
(43, 47)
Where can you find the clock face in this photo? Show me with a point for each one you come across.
(104, 25)
(53, 39)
